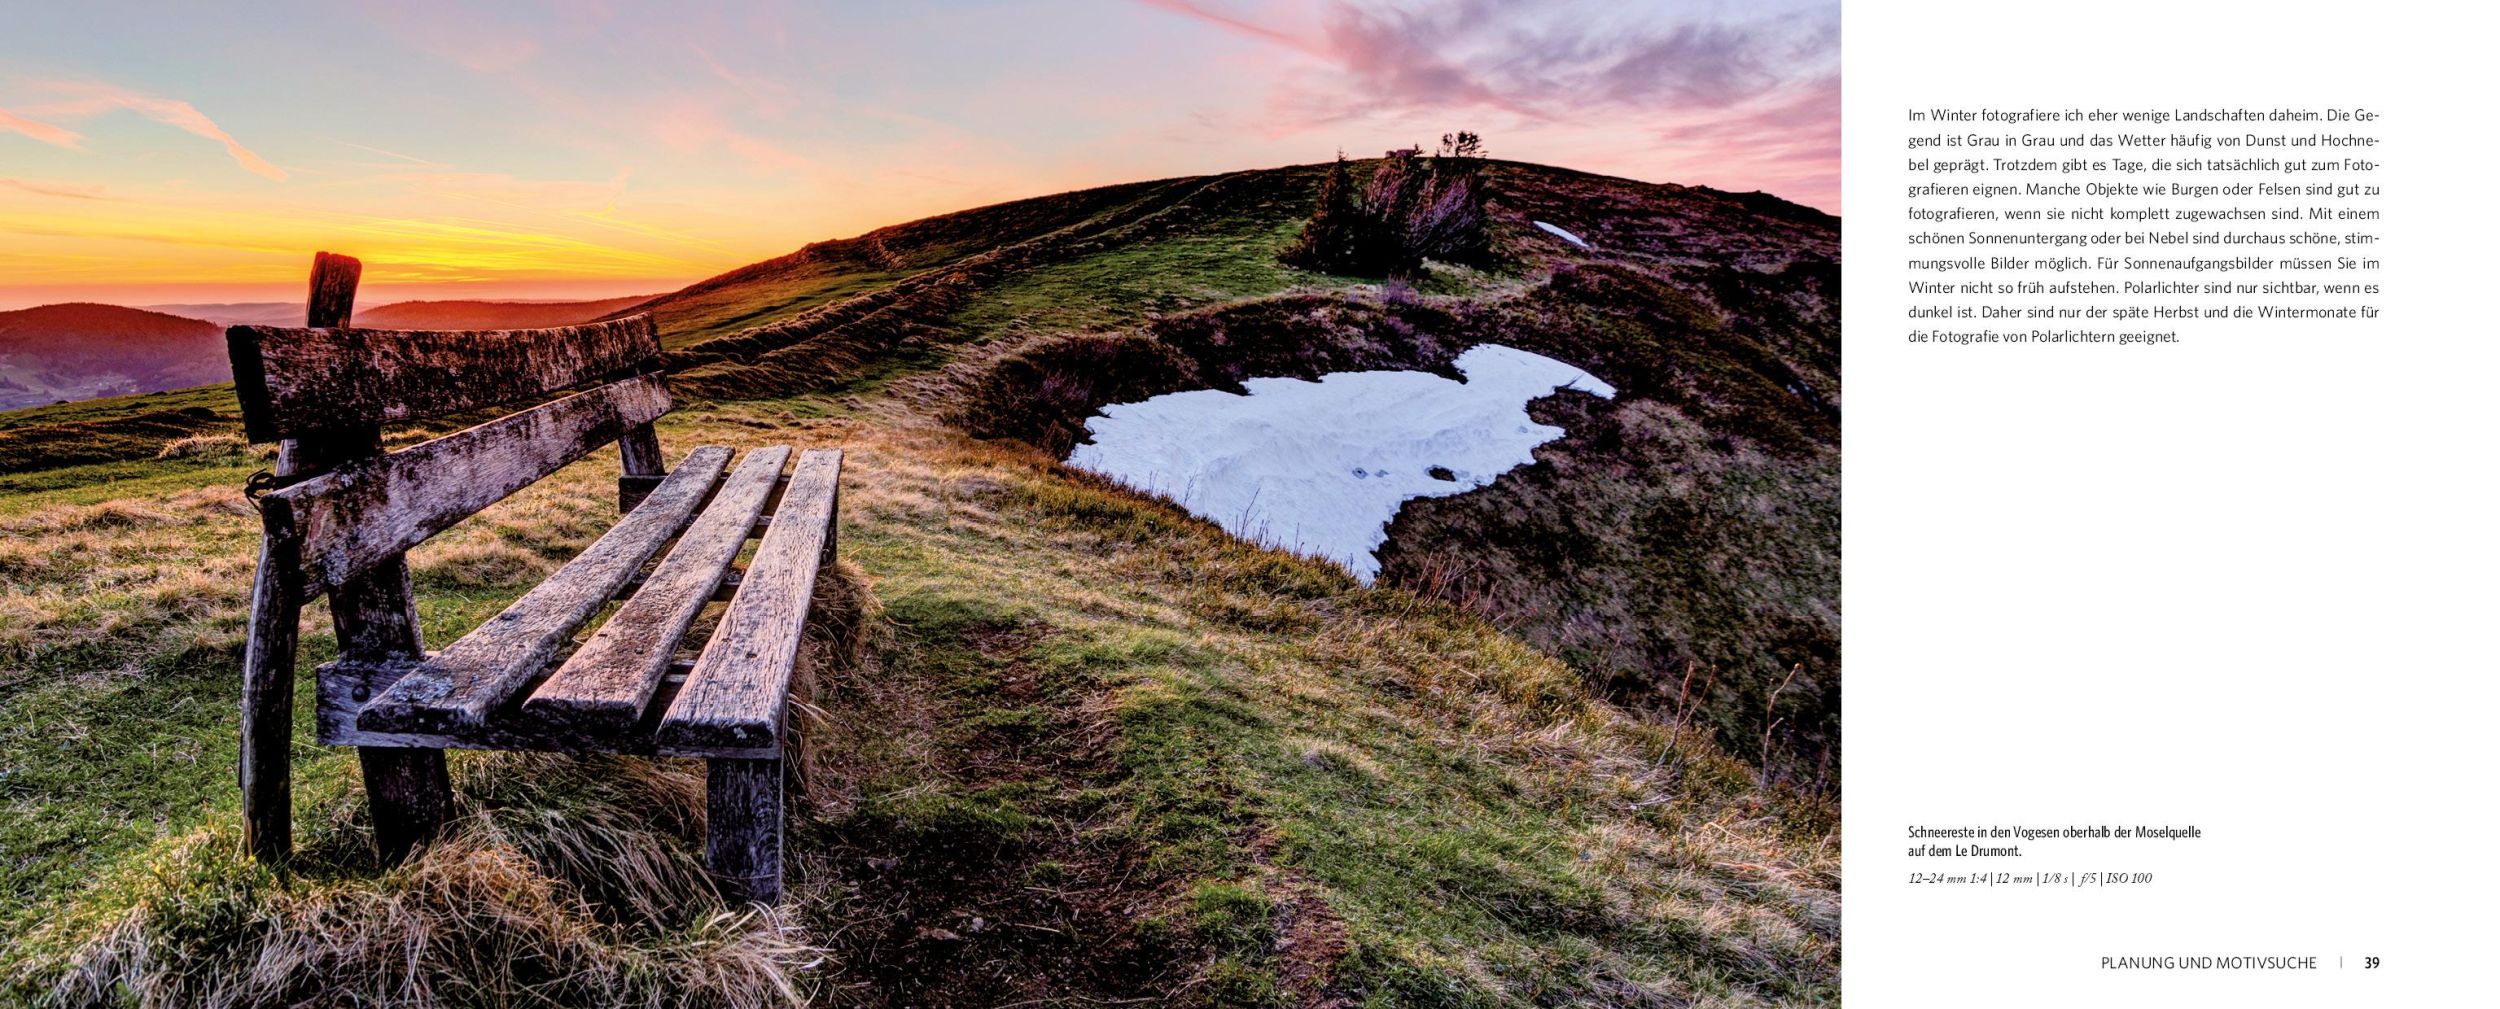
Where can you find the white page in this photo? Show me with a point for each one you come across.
(2240, 582)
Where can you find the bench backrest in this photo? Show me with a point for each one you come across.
(299, 382)
(325, 390)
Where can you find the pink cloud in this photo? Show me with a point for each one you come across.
(689, 124)
(1457, 53)
(93, 100)
(1788, 139)
(182, 116)
(1749, 98)
(1245, 26)
(45, 132)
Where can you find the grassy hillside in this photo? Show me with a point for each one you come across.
(1081, 748)
(1690, 524)
(82, 351)
(774, 290)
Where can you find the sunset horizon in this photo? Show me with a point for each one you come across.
(556, 288)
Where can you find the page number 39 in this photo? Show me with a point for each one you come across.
(2369, 963)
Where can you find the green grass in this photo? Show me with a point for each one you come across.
(123, 428)
(1454, 798)
(121, 633)
(103, 481)
(696, 319)
(218, 399)
(1230, 259)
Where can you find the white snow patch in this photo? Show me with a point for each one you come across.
(1321, 467)
(1566, 236)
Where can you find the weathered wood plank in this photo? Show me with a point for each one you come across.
(736, 693)
(359, 515)
(407, 789)
(294, 381)
(345, 687)
(729, 582)
(460, 685)
(331, 301)
(742, 829)
(269, 702)
(409, 792)
(607, 683)
(375, 612)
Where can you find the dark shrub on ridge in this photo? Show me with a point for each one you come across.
(1412, 209)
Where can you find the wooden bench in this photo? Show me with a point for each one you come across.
(345, 513)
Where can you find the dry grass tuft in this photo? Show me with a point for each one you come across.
(470, 922)
(478, 562)
(118, 513)
(204, 446)
(227, 501)
(122, 584)
(852, 616)
(566, 880)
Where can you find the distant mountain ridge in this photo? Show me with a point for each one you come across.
(83, 351)
(238, 313)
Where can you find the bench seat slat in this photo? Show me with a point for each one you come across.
(733, 698)
(352, 518)
(340, 683)
(728, 587)
(460, 685)
(607, 682)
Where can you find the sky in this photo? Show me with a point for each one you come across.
(161, 152)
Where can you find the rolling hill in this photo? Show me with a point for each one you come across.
(238, 313)
(1575, 748)
(1717, 311)
(83, 351)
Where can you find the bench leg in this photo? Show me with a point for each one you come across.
(269, 713)
(410, 793)
(742, 835)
